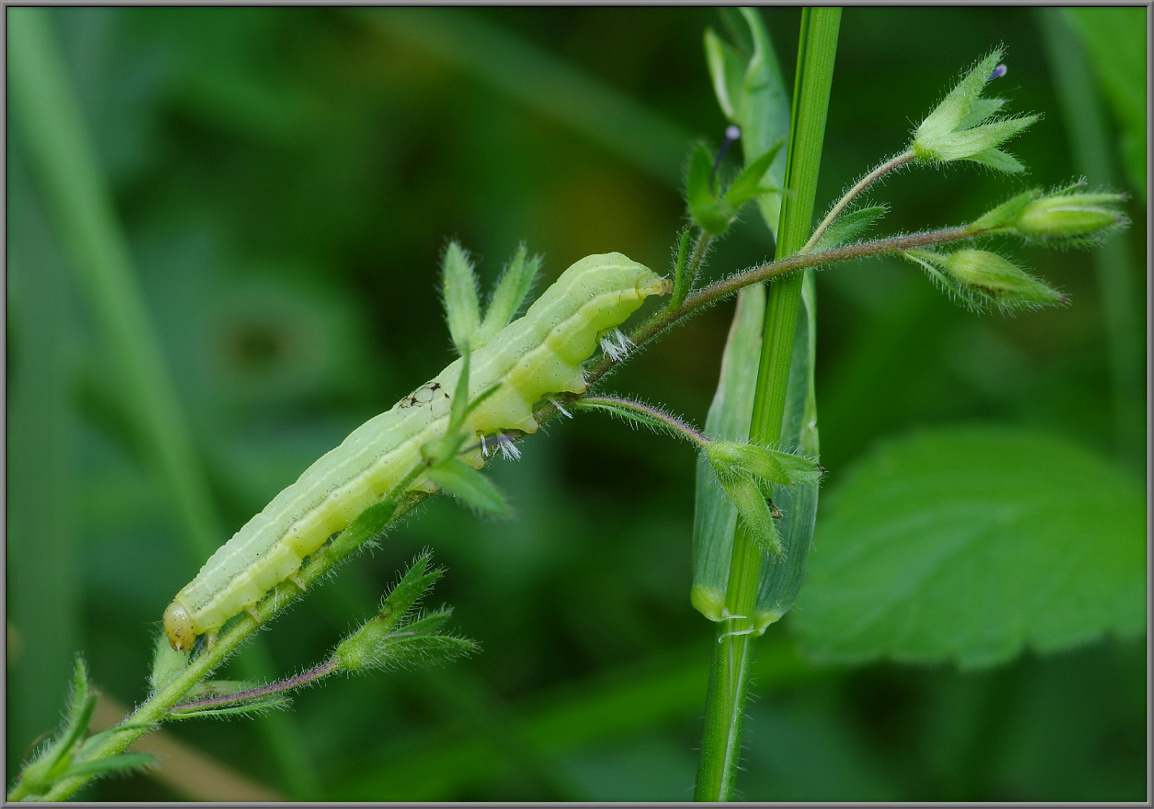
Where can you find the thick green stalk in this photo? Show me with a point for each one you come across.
(729, 676)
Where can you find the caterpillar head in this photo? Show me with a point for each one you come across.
(178, 627)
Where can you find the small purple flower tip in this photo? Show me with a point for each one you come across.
(999, 71)
(733, 131)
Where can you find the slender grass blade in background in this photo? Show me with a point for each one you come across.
(1087, 129)
(80, 205)
(501, 60)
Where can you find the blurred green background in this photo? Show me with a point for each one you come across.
(285, 181)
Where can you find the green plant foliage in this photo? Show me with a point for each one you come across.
(749, 88)
(275, 179)
(961, 127)
(462, 304)
(463, 481)
(850, 226)
(1116, 40)
(508, 295)
(715, 211)
(1067, 216)
(251, 706)
(971, 545)
(65, 756)
(714, 514)
(398, 636)
(983, 280)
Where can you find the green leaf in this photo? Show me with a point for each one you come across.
(423, 651)
(748, 183)
(124, 763)
(849, 226)
(463, 481)
(166, 662)
(752, 94)
(762, 109)
(461, 407)
(782, 579)
(388, 641)
(96, 739)
(681, 276)
(409, 590)
(515, 285)
(998, 160)
(81, 705)
(755, 511)
(442, 449)
(727, 70)
(970, 544)
(711, 213)
(370, 641)
(732, 459)
(715, 214)
(429, 623)
(459, 287)
(714, 514)
(368, 525)
(954, 112)
(227, 710)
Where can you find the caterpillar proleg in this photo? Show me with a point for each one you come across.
(535, 356)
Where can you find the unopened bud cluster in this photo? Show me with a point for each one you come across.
(962, 126)
(986, 280)
(1068, 215)
(393, 639)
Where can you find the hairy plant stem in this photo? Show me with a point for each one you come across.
(288, 684)
(861, 185)
(707, 296)
(700, 251)
(646, 414)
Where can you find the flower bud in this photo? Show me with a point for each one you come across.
(734, 459)
(1071, 216)
(1065, 214)
(983, 280)
(961, 126)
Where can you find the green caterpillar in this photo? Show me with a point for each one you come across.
(533, 357)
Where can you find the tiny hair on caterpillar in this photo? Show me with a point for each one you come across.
(532, 358)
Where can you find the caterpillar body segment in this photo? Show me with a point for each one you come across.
(535, 356)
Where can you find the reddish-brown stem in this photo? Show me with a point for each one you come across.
(304, 678)
(764, 272)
